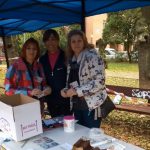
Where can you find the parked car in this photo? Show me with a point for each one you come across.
(122, 56)
(134, 56)
(110, 53)
(111, 50)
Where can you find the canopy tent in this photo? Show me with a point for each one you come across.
(19, 16)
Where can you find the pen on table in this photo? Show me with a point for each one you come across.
(25, 142)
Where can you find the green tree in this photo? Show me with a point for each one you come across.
(124, 27)
(63, 32)
(18, 40)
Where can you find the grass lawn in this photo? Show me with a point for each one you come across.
(123, 67)
(122, 82)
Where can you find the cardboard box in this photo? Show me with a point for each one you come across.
(20, 116)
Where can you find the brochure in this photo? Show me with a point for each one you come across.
(45, 143)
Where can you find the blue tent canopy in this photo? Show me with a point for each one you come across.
(19, 16)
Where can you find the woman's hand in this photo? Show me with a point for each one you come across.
(63, 93)
(47, 91)
(36, 92)
(71, 92)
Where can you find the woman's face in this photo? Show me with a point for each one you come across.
(77, 44)
(31, 52)
(52, 43)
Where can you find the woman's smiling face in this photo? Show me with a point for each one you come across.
(31, 52)
(77, 44)
(52, 43)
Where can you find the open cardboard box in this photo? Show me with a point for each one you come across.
(20, 116)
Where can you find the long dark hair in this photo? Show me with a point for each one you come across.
(48, 33)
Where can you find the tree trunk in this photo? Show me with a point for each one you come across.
(144, 65)
(11, 50)
(127, 48)
(144, 55)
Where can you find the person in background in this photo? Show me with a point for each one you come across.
(53, 62)
(85, 80)
(25, 76)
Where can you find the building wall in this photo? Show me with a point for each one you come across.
(94, 30)
(94, 27)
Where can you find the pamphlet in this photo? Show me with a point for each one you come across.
(107, 143)
(45, 142)
(74, 84)
(64, 146)
(113, 146)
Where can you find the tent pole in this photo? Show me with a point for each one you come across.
(83, 27)
(5, 50)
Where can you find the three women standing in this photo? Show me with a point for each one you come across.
(85, 85)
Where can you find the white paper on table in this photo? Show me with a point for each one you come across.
(113, 145)
(64, 146)
(96, 143)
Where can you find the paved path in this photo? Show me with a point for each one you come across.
(131, 75)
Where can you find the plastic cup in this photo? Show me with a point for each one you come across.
(69, 124)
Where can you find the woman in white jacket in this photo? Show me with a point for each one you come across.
(85, 80)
